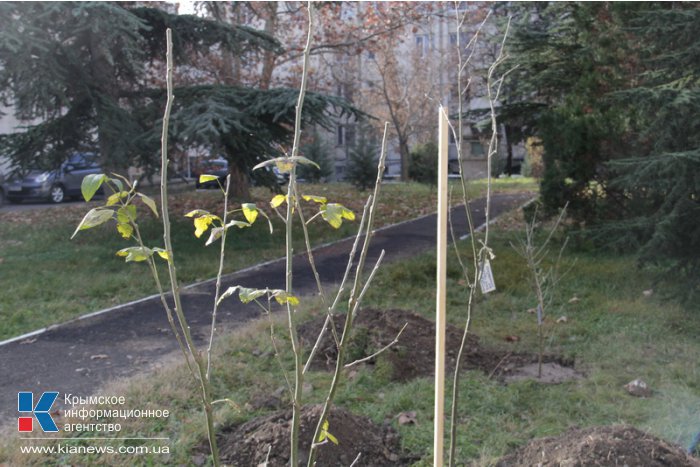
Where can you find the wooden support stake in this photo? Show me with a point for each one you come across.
(441, 302)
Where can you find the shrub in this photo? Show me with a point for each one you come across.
(423, 164)
(498, 165)
(533, 166)
(317, 151)
(362, 163)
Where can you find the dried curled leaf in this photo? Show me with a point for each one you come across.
(197, 212)
(315, 199)
(247, 295)
(135, 253)
(215, 234)
(286, 164)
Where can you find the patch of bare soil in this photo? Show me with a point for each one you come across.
(600, 446)
(413, 355)
(552, 373)
(248, 444)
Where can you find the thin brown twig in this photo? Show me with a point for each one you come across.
(380, 351)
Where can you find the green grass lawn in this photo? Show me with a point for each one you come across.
(48, 278)
(614, 333)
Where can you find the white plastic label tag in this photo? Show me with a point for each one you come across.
(486, 282)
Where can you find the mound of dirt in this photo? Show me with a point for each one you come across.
(414, 354)
(248, 444)
(600, 446)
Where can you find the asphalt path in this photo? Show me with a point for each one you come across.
(80, 356)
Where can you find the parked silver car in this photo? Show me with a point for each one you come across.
(54, 185)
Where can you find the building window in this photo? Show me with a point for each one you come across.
(348, 92)
(477, 149)
(345, 135)
(422, 43)
(345, 90)
(350, 135)
(340, 135)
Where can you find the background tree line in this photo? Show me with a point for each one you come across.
(612, 92)
(88, 75)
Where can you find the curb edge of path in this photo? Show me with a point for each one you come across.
(240, 271)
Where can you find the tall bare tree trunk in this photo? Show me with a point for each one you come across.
(219, 11)
(509, 148)
(269, 56)
(102, 72)
(405, 156)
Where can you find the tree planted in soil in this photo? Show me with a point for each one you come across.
(481, 252)
(544, 280)
(120, 206)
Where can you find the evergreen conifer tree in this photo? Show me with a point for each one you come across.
(316, 151)
(361, 168)
(613, 91)
(88, 74)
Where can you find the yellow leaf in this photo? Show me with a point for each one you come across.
(197, 212)
(294, 301)
(332, 438)
(314, 198)
(333, 214)
(284, 166)
(114, 199)
(163, 254)
(135, 253)
(325, 434)
(125, 230)
(277, 201)
(250, 211)
(207, 178)
(283, 297)
(201, 225)
(348, 214)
